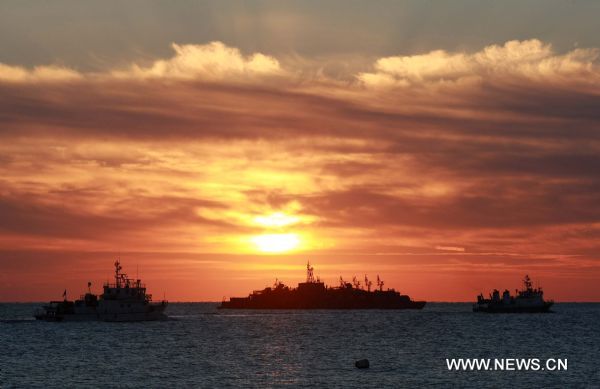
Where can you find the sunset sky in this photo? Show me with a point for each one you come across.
(450, 147)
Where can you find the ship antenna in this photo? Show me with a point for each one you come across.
(310, 278)
(379, 283)
(527, 282)
(117, 275)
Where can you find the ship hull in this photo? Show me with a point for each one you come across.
(248, 304)
(155, 313)
(417, 305)
(512, 308)
(127, 317)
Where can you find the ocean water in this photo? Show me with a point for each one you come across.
(204, 347)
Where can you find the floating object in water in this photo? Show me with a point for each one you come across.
(362, 364)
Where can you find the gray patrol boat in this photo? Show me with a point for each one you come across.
(125, 300)
(527, 300)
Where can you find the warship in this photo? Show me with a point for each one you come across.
(527, 300)
(314, 294)
(125, 300)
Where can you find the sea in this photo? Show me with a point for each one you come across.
(201, 346)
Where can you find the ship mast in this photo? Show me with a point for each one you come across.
(368, 283)
(117, 274)
(310, 278)
(379, 283)
(527, 282)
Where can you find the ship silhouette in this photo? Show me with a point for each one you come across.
(526, 300)
(314, 294)
(124, 300)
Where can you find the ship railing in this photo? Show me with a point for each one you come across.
(124, 285)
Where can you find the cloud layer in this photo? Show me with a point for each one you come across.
(213, 61)
(444, 161)
(531, 60)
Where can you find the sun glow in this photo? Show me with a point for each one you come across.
(277, 219)
(276, 243)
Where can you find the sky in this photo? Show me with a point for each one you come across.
(448, 147)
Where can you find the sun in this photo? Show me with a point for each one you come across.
(276, 243)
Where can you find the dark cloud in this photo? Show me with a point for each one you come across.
(350, 168)
(482, 208)
(503, 159)
(30, 215)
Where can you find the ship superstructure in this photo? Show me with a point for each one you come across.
(528, 299)
(124, 300)
(314, 294)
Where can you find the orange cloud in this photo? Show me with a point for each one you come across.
(189, 158)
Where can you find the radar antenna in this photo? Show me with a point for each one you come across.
(368, 283)
(118, 275)
(379, 283)
(527, 282)
(310, 278)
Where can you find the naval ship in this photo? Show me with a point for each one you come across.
(125, 300)
(527, 300)
(314, 294)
